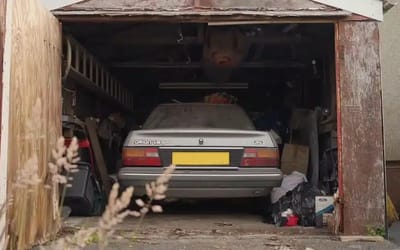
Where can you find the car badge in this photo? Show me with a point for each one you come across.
(201, 141)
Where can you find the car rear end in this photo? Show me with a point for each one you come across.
(210, 162)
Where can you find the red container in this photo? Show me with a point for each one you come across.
(292, 221)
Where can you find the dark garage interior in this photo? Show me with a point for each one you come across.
(283, 75)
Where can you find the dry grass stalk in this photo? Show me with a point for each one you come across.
(64, 162)
(155, 191)
(116, 211)
(78, 241)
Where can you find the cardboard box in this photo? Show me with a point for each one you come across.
(330, 222)
(295, 158)
(323, 207)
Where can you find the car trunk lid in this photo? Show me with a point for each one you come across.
(201, 148)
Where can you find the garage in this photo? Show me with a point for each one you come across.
(268, 69)
(303, 72)
(295, 72)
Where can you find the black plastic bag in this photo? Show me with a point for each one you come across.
(302, 201)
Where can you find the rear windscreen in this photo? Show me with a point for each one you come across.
(198, 116)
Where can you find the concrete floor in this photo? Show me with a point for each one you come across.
(212, 225)
(216, 231)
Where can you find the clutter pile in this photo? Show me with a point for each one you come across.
(308, 153)
(220, 98)
(298, 202)
(85, 197)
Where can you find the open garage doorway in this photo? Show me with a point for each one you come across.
(281, 75)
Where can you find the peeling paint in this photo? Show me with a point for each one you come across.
(361, 127)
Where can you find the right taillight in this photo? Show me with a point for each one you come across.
(260, 157)
(140, 157)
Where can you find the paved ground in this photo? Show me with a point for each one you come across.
(211, 225)
(394, 233)
(236, 232)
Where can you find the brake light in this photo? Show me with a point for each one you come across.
(140, 157)
(260, 157)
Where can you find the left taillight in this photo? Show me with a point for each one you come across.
(260, 157)
(140, 157)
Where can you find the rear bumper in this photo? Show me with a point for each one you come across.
(250, 182)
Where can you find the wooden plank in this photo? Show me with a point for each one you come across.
(361, 238)
(5, 31)
(201, 5)
(84, 62)
(310, 16)
(2, 40)
(101, 167)
(97, 80)
(361, 162)
(103, 82)
(91, 68)
(77, 56)
(34, 115)
(272, 64)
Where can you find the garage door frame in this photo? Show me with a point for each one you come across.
(358, 97)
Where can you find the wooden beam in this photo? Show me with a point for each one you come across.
(5, 72)
(194, 65)
(360, 127)
(100, 166)
(272, 39)
(361, 238)
(266, 17)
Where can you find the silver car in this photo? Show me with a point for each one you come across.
(215, 147)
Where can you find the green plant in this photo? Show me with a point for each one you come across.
(376, 231)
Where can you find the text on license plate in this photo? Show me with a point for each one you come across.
(200, 158)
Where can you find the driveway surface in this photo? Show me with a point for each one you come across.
(217, 225)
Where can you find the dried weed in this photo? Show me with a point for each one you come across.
(116, 211)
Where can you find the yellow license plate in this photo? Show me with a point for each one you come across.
(201, 158)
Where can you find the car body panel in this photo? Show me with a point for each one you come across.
(186, 183)
(202, 130)
(199, 137)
